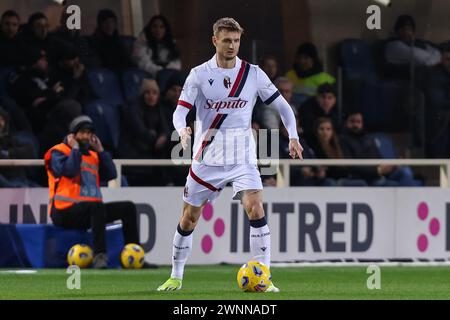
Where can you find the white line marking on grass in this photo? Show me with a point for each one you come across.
(19, 271)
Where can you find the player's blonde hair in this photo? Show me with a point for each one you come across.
(228, 24)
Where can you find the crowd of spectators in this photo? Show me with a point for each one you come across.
(47, 85)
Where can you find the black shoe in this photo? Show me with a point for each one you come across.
(100, 261)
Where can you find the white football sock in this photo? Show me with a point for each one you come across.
(182, 246)
(260, 244)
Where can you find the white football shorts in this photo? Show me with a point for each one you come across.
(204, 183)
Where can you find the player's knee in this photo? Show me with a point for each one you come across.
(189, 219)
(255, 210)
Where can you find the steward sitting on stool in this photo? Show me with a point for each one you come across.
(75, 168)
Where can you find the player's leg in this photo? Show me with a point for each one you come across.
(203, 183)
(259, 229)
(182, 246)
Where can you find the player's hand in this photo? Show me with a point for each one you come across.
(185, 134)
(295, 149)
(72, 142)
(96, 144)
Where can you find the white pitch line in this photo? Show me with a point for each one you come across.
(19, 271)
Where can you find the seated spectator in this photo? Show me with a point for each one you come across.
(436, 88)
(155, 49)
(11, 49)
(36, 36)
(307, 73)
(43, 100)
(13, 148)
(269, 65)
(356, 144)
(147, 136)
(148, 132)
(75, 168)
(71, 72)
(322, 105)
(81, 43)
(326, 145)
(300, 175)
(106, 44)
(405, 49)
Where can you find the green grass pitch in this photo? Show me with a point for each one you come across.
(219, 282)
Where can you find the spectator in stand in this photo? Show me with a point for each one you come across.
(106, 43)
(405, 49)
(436, 88)
(81, 43)
(71, 72)
(36, 35)
(326, 145)
(300, 176)
(155, 48)
(147, 136)
(307, 73)
(11, 49)
(13, 148)
(43, 100)
(322, 105)
(148, 132)
(356, 144)
(269, 65)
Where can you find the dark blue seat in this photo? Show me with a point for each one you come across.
(385, 145)
(106, 118)
(105, 85)
(356, 60)
(380, 103)
(131, 82)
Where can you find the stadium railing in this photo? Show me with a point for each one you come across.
(282, 166)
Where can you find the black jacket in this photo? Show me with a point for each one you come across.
(309, 112)
(360, 146)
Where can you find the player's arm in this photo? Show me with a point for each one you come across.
(288, 119)
(271, 96)
(185, 104)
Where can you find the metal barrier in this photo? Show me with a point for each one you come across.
(283, 165)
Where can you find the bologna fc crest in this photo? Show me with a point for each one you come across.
(227, 82)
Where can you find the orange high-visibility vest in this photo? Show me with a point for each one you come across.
(66, 191)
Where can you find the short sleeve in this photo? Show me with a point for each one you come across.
(190, 90)
(266, 89)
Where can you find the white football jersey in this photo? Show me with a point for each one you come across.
(224, 101)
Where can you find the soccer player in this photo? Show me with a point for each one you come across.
(224, 91)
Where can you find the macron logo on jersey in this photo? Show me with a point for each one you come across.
(230, 104)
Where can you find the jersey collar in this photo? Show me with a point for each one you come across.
(213, 63)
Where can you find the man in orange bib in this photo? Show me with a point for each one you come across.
(75, 169)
